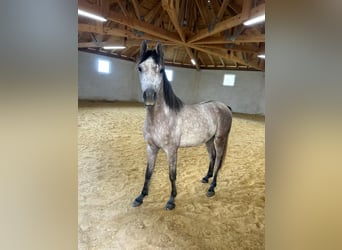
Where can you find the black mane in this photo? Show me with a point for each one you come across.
(150, 53)
(171, 100)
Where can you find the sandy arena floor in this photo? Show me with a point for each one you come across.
(111, 169)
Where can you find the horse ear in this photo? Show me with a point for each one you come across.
(143, 47)
(159, 49)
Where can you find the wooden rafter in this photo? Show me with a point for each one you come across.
(239, 39)
(113, 31)
(142, 26)
(123, 8)
(223, 8)
(175, 55)
(228, 23)
(201, 59)
(184, 56)
(149, 17)
(231, 58)
(241, 48)
(212, 60)
(223, 64)
(136, 8)
(200, 7)
(234, 7)
(136, 20)
(170, 7)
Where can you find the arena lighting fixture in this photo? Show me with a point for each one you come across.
(262, 56)
(92, 16)
(255, 20)
(114, 47)
(193, 61)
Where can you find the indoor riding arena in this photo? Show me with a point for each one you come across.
(200, 66)
(112, 161)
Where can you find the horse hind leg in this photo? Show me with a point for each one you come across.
(212, 156)
(220, 144)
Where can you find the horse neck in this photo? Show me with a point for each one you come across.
(159, 110)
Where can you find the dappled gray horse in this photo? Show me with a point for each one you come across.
(170, 124)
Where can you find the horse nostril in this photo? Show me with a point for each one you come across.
(149, 96)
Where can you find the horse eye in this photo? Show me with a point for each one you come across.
(161, 70)
(139, 69)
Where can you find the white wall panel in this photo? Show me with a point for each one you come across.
(247, 96)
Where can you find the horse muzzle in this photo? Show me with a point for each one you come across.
(150, 97)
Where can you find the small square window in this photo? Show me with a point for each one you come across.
(103, 66)
(169, 74)
(229, 80)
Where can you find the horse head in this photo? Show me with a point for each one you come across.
(151, 68)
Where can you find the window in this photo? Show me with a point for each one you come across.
(229, 80)
(103, 66)
(169, 74)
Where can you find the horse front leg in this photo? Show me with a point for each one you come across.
(172, 159)
(152, 152)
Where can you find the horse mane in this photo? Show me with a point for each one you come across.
(150, 53)
(170, 97)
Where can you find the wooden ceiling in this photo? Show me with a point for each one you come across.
(209, 31)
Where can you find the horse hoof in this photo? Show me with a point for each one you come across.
(136, 203)
(210, 193)
(170, 206)
(205, 180)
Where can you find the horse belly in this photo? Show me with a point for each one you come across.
(196, 136)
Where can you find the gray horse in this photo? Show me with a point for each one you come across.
(170, 124)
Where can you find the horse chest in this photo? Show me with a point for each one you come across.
(159, 134)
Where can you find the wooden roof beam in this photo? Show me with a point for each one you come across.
(230, 22)
(222, 10)
(123, 8)
(201, 59)
(236, 8)
(170, 7)
(184, 56)
(134, 52)
(248, 49)
(175, 55)
(223, 64)
(231, 57)
(169, 36)
(105, 31)
(201, 8)
(136, 9)
(92, 8)
(246, 8)
(215, 6)
(152, 13)
(117, 32)
(211, 59)
(94, 44)
(191, 55)
(240, 39)
(142, 26)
